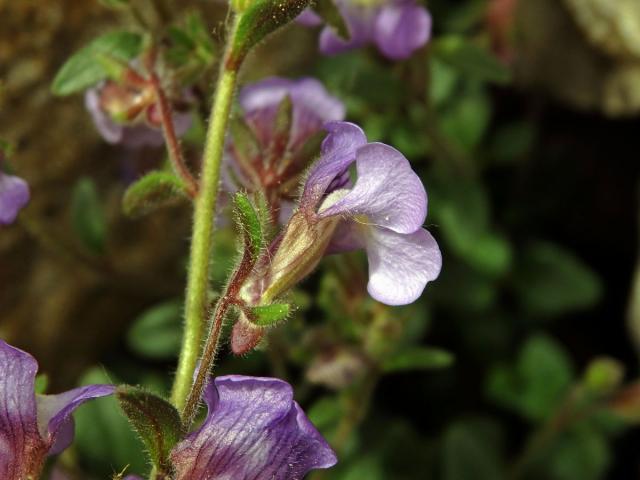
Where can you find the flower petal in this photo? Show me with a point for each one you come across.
(387, 191)
(337, 153)
(108, 129)
(55, 423)
(402, 28)
(312, 107)
(14, 195)
(22, 451)
(360, 21)
(400, 266)
(309, 18)
(254, 430)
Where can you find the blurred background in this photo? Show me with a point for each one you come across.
(522, 117)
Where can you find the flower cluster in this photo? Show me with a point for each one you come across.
(383, 212)
(396, 27)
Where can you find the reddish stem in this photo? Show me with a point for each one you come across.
(168, 128)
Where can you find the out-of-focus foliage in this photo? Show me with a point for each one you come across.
(489, 375)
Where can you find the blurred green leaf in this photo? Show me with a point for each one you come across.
(190, 50)
(603, 375)
(537, 383)
(470, 59)
(42, 381)
(550, 281)
(83, 70)
(155, 190)
(443, 81)
(114, 4)
(104, 438)
(580, 454)
(325, 413)
(157, 333)
(465, 121)
(156, 421)
(88, 216)
(467, 455)
(461, 210)
(418, 358)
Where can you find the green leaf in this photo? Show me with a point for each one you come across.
(471, 60)
(268, 315)
(115, 4)
(261, 18)
(83, 69)
(461, 209)
(550, 281)
(284, 118)
(470, 454)
(466, 121)
(190, 49)
(249, 221)
(418, 358)
(537, 383)
(156, 421)
(157, 333)
(104, 438)
(42, 381)
(154, 190)
(328, 11)
(580, 454)
(87, 215)
(603, 375)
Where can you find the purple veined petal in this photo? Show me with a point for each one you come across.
(312, 107)
(254, 430)
(108, 129)
(14, 196)
(22, 451)
(309, 18)
(402, 28)
(337, 153)
(55, 423)
(387, 191)
(400, 266)
(360, 21)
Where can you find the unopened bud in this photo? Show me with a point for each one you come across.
(603, 375)
(245, 336)
(301, 249)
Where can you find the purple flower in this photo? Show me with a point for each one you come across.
(32, 425)
(396, 27)
(254, 430)
(133, 132)
(382, 212)
(14, 196)
(276, 165)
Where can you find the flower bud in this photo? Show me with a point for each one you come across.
(303, 244)
(245, 336)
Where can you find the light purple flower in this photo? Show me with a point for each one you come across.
(254, 430)
(383, 212)
(134, 134)
(396, 27)
(31, 425)
(14, 196)
(280, 159)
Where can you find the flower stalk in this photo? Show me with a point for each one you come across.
(201, 241)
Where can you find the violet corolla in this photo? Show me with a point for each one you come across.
(383, 212)
(274, 158)
(254, 430)
(14, 196)
(396, 27)
(33, 426)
